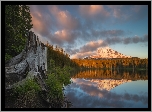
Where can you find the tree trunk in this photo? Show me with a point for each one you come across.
(33, 56)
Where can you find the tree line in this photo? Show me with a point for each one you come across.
(134, 63)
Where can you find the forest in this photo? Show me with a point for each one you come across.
(122, 63)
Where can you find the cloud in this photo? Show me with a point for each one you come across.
(136, 8)
(82, 55)
(56, 25)
(91, 46)
(136, 39)
(112, 33)
(70, 51)
(128, 12)
(90, 9)
(113, 40)
(64, 18)
(144, 39)
(63, 37)
(119, 12)
(107, 33)
(127, 40)
(116, 10)
(41, 24)
(93, 11)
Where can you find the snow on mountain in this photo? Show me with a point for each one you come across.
(107, 52)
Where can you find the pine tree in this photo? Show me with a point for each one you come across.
(17, 24)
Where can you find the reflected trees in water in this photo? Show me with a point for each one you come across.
(110, 74)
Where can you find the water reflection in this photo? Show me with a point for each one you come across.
(102, 92)
(111, 74)
(109, 84)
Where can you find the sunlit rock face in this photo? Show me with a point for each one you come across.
(107, 52)
(109, 84)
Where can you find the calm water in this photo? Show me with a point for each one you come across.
(108, 89)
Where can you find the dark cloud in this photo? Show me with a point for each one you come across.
(136, 39)
(95, 33)
(144, 39)
(113, 40)
(92, 46)
(70, 51)
(107, 33)
(127, 40)
(63, 37)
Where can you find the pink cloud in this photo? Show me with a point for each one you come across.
(64, 35)
(37, 24)
(92, 10)
(41, 24)
(64, 18)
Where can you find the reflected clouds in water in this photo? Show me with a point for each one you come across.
(86, 94)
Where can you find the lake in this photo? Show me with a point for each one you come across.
(108, 89)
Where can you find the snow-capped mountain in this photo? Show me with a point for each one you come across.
(107, 52)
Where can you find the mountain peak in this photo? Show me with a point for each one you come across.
(107, 52)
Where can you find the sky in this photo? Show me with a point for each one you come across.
(81, 29)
